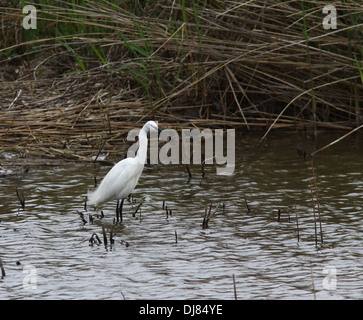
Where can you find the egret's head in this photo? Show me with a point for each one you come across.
(151, 126)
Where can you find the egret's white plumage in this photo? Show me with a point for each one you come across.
(121, 180)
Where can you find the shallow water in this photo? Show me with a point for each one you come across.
(263, 253)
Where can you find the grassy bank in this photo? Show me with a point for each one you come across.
(78, 83)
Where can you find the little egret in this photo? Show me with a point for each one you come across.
(121, 180)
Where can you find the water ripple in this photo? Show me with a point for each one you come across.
(263, 253)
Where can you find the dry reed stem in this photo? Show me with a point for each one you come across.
(317, 201)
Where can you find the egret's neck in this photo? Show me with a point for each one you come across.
(141, 153)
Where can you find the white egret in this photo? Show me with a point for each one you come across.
(121, 180)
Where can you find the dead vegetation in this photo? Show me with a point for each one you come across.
(75, 86)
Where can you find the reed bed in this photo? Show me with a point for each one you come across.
(93, 69)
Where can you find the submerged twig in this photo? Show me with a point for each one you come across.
(248, 208)
(313, 203)
(234, 287)
(92, 239)
(189, 173)
(208, 214)
(104, 236)
(124, 243)
(21, 198)
(112, 241)
(297, 226)
(168, 212)
(3, 274)
(317, 201)
(313, 282)
(301, 153)
(82, 217)
(137, 209)
(90, 218)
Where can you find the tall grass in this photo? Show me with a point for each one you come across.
(248, 64)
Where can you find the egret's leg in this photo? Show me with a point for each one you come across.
(120, 209)
(117, 210)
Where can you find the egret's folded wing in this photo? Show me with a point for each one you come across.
(116, 180)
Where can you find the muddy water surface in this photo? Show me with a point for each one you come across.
(46, 252)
